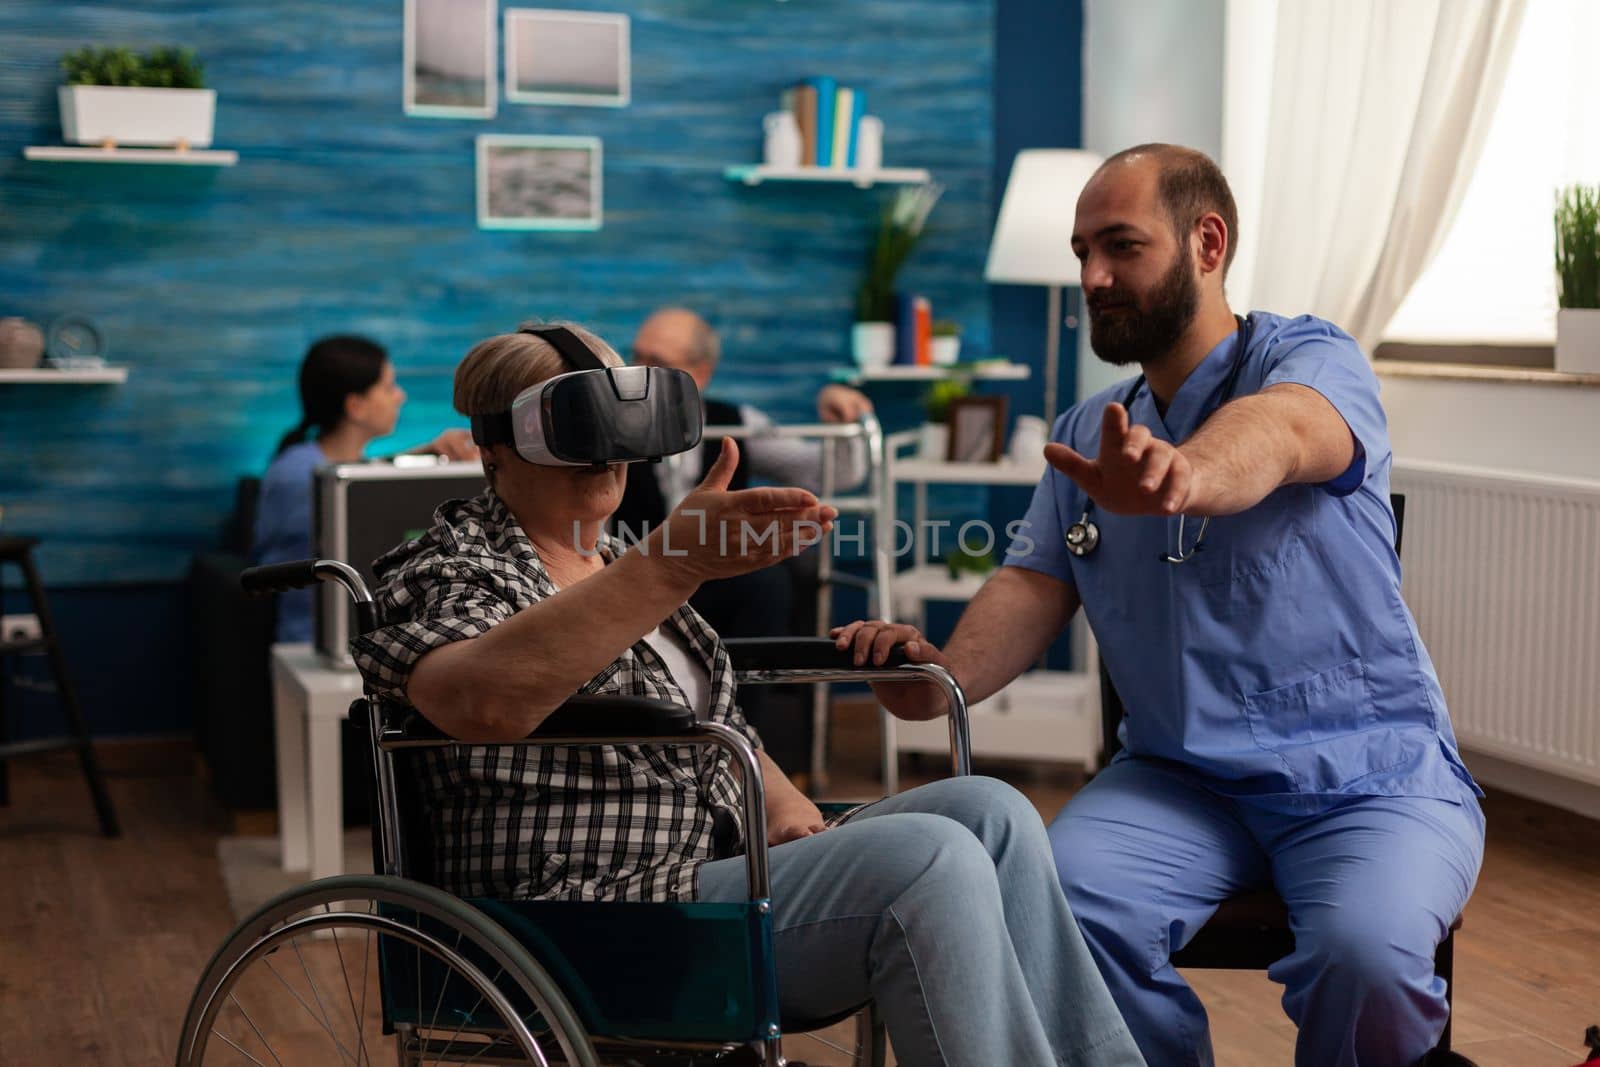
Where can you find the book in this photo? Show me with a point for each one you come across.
(826, 90)
(843, 109)
(922, 309)
(905, 329)
(858, 100)
(805, 116)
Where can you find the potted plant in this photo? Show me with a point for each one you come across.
(116, 97)
(946, 343)
(935, 438)
(963, 560)
(899, 229)
(1578, 279)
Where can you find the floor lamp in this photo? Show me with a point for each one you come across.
(1032, 242)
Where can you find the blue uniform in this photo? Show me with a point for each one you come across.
(283, 529)
(1284, 723)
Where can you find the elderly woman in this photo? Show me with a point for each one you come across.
(941, 904)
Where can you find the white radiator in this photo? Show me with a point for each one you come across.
(1502, 572)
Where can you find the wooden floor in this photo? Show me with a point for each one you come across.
(101, 941)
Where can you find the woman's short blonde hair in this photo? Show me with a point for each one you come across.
(498, 368)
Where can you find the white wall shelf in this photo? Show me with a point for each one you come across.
(991, 371)
(1003, 472)
(756, 173)
(51, 376)
(192, 157)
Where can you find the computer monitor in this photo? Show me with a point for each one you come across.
(362, 510)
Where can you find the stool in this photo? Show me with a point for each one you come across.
(19, 551)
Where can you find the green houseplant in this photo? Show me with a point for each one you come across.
(963, 560)
(900, 227)
(935, 439)
(115, 96)
(1577, 224)
(946, 342)
(159, 68)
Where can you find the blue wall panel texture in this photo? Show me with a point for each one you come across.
(344, 214)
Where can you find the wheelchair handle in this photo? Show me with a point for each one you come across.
(300, 573)
(279, 577)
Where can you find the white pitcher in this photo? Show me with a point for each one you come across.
(782, 146)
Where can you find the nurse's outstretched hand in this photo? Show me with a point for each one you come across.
(1135, 473)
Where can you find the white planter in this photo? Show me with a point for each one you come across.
(934, 443)
(1578, 340)
(872, 344)
(96, 114)
(946, 350)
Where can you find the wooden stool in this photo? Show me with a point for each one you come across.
(19, 551)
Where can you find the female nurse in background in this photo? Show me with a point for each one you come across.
(348, 397)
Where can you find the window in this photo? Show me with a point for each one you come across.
(1492, 282)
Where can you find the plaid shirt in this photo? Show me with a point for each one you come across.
(522, 822)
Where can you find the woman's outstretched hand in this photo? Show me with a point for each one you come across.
(718, 533)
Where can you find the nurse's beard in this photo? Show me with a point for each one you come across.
(1124, 333)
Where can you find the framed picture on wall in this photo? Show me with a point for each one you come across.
(977, 429)
(450, 58)
(567, 57)
(538, 183)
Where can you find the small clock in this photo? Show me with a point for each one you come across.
(75, 342)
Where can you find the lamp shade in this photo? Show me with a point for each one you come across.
(1033, 240)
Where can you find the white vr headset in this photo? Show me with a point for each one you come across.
(596, 415)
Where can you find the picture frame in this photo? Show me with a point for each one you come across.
(539, 182)
(573, 58)
(450, 57)
(977, 429)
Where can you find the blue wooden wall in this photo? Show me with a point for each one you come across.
(344, 214)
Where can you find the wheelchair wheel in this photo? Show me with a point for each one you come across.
(362, 968)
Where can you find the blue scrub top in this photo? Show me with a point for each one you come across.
(283, 529)
(1280, 662)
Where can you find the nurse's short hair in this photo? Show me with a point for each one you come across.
(1190, 185)
(497, 368)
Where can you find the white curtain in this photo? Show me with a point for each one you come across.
(1350, 132)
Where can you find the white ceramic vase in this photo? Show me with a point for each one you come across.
(872, 344)
(945, 351)
(781, 147)
(934, 442)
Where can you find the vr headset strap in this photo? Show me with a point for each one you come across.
(496, 429)
(566, 342)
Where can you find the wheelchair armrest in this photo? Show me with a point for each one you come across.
(798, 654)
(592, 716)
(618, 716)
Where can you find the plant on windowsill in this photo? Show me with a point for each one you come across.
(935, 437)
(1577, 219)
(114, 96)
(899, 230)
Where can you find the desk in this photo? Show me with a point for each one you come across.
(309, 702)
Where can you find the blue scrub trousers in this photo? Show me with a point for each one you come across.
(1146, 853)
(941, 904)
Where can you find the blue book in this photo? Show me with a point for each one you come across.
(826, 88)
(860, 108)
(905, 329)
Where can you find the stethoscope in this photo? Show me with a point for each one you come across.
(1083, 536)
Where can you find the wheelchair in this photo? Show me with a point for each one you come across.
(349, 968)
